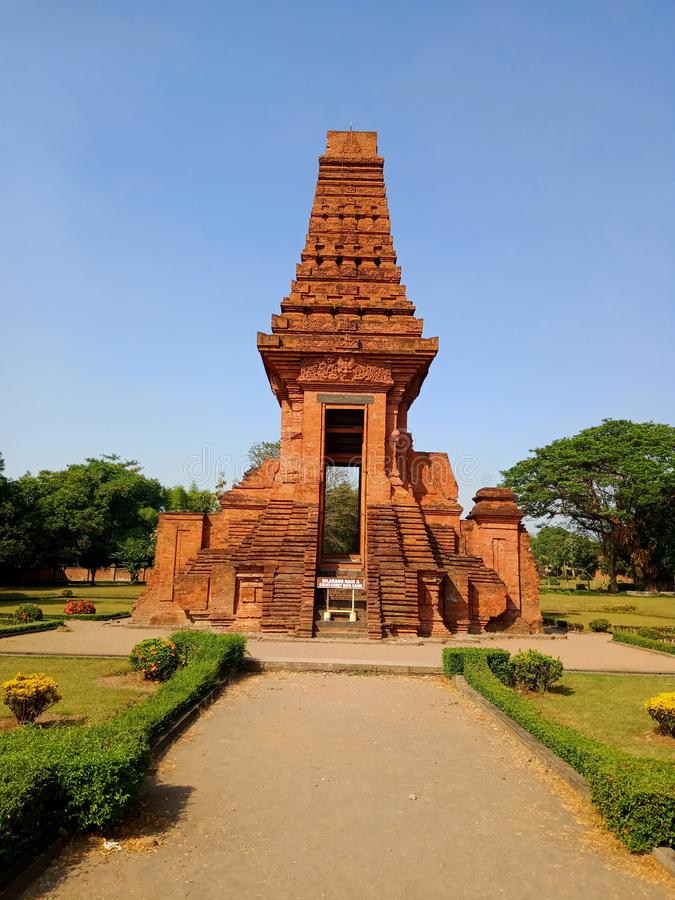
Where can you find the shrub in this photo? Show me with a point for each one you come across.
(27, 612)
(562, 623)
(28, 696)
(534, 671)
(662, 709)
(157, 658)
(66, 593)
(635, 640)
(635, 795)
(86, 776)
(498, 661)
(656, 634)
(79, 608)
(600, 625)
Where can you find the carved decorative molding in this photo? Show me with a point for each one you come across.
(343, 369)
(350, 145)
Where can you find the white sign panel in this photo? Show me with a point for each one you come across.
(349, 584)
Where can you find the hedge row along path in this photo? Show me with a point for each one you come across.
(302, 785)
(594, 653)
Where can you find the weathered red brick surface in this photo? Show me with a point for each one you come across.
(347, 338)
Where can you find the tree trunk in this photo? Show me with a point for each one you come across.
(93, 576)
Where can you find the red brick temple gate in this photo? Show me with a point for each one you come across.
(345, 360)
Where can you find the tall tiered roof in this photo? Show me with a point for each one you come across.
(347, 294)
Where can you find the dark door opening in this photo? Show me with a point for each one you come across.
(342, 485)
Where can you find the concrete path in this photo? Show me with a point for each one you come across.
(301, 785)
(577, 652)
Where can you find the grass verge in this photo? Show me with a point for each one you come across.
(636, 796)
(609, 708)
(94, 689)
(581, 608)
(86, 776)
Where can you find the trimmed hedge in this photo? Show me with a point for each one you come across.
(561, 623)
(636, 796)
(25, 627)
(636, 640)
(86, 776)
(654, 632)
(62, 617)
(498, 661)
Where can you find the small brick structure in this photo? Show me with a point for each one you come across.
(347, 350)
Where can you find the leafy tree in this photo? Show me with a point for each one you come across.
(191, 500)
(341, 513)
(15, 538)
(653, 562)
(558, 550)
(135, 552)
(608, 481)
(262, 450)
(83, 513)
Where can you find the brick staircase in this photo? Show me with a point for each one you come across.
(402, 544)
(281, 546)
(387, 594)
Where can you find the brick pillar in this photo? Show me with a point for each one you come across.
(498, 537)
(179, 539)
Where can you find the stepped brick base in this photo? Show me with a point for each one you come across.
(347, 339)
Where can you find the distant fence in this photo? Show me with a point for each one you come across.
(69, 573)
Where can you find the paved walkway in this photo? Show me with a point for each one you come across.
(302, 785)
(581, 652)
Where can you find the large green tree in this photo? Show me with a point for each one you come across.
(611, 481)
(82, 514)
(16, 546)
(562, 552)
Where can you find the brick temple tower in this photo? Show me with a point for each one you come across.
(346, 360)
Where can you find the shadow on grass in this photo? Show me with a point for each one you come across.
(562, 690)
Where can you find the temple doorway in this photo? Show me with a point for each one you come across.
(343, 489)
(340, 601)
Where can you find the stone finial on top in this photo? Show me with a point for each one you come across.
(495, 503)
(357, 144)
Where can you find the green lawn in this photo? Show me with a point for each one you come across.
(610, 709)
(583, 607)
(108, 598)
(80, 684)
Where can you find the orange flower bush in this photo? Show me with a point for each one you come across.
(79, 608)
(157, 658)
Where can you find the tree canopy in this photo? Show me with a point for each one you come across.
(615, 481)
(259, 451)
(178, 499)
(558, 550)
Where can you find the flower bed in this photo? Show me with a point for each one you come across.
(636, 796)
(86, 776)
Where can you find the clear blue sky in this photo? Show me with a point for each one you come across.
(157, 165)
